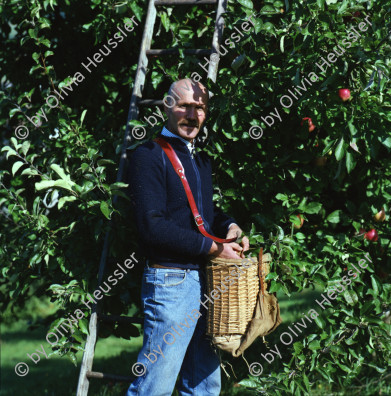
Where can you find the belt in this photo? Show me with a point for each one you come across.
(156, 265)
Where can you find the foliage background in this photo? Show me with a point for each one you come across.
(338, 176)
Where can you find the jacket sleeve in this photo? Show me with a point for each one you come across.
(148, 194)
(221, 221)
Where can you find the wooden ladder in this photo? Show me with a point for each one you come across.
(136, 101)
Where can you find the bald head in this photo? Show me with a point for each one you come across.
(186, 108)
(180, 86)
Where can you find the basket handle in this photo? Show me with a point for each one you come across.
(260, 272)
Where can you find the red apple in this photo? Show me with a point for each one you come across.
(344, 94)
(371, 235)
(311, 126)
(380, 216)
(301, 218)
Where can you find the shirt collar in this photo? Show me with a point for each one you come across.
(166, 132)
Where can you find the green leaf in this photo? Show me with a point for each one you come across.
(10, 151)
(33, 33)
(348, 297)
(282, 44)
(104, 207)
(269, 27)
(312, 208)
(63, 200)
(374, 286)
(354, 296)
(328, 147)
(15, 143)
(45, 42)
(25, 147)
(282, 197)
(249, 383)
(35, 56)
(275, 287)
(378, 369)
(83, 114)
(218, 146)
(137, 10)
(306, 382)
(83, 325)
(246, 3)
(385, 141)
(104, 161)
(63, 184)
(334, 217)
(350, 163)
(320, 4)
(319, 321)
(258, 26)
(344, 367)
(60, 172)
(340, 150)
(165, 21)
(118, 185)
(53, 183)
(337, 349)
(314, 345)
(298, 347)
(352, 128)
(30, 172)
(343, 7)
(16, 166)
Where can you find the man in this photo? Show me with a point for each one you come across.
(174, 278)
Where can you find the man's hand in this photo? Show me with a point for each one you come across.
(235, 232)
(225, 250)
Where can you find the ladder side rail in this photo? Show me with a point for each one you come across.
(89, 350)
(217, 36)
(138, 84)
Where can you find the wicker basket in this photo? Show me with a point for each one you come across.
(232, 312)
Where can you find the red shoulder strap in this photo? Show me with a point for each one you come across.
(180, 171)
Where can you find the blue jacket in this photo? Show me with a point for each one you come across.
(167, 230)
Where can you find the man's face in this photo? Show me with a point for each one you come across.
(186, 117)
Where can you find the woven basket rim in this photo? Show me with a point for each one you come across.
(216, 260)
(236, 261)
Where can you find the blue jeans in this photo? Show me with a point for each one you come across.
(174, 337)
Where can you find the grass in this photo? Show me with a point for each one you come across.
(57, 376)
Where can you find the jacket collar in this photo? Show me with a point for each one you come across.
(175, 138)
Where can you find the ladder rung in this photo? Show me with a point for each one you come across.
(120, 319)
(175, 51)
(150, 102)
(98, 375)
(183, 2)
